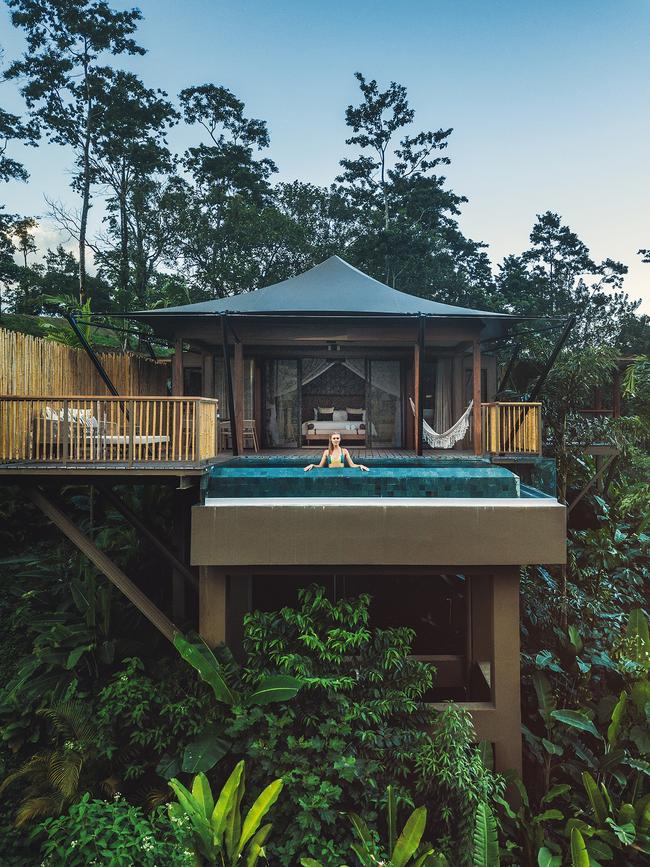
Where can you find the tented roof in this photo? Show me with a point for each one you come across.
(332, 288)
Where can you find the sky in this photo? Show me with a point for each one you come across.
(548, 100)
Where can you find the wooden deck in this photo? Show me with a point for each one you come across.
(178, 436)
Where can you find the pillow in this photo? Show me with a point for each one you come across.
(339, 415)
(356, 414)
(325, 413)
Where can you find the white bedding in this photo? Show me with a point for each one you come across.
(326, 427)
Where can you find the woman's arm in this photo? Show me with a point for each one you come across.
(321, 464)
(352, 464)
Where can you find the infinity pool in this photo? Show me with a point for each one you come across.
(394, 477)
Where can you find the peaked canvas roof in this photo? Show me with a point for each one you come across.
(333, 287)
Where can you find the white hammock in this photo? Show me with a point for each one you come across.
(450, 437)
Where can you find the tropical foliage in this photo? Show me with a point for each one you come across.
(102, 724)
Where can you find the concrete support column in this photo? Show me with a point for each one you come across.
(240, 603)
(212, 605)
(180, 518)
(506, 670)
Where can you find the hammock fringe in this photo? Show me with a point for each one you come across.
(450, 437)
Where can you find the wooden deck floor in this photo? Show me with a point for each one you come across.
(185, 468)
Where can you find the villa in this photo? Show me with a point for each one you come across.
(457, 499)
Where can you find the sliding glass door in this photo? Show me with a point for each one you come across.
(385, 404)
(282, 403)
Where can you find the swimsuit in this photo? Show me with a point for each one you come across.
(335, 463)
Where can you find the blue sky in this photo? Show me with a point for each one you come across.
(549, 100)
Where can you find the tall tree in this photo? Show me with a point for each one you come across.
(405, 230)
(12, 129)
(129, 152)
(65, 78)
(557, 276)
(225, 205)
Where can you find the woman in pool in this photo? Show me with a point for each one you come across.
(335, 456)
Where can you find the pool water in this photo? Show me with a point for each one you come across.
(279, 477)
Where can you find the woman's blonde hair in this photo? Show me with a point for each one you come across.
(330, 447)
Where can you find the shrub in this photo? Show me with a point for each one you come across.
(115, 833)
(452, 776)
(355, 727)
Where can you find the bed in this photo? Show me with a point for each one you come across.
(352, 431)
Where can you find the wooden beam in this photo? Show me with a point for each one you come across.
(147, 531)
(177, 369)
(603, 468)
(105, 565)
(238, 387)
(476, 396)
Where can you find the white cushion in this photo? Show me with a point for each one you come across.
(340, 415)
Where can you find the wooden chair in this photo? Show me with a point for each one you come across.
(250, 434)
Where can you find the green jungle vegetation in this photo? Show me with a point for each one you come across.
(316, 746)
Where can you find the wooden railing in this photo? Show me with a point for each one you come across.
(98, 430)
(512, 428)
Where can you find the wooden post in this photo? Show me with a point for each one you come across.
(420, 385)
(476, 395)
(417, 415)
(229, 385)
(238, 387)
(212, 605)
(177, 369)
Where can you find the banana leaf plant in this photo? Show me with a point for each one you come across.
(209, 747)
(220, 836)
(625, 827)
(485, 840)
(405, 850)
(528, 827)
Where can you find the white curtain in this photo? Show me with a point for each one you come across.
(312, 368)
(442, 415)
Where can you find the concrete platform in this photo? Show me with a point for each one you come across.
(380, 531)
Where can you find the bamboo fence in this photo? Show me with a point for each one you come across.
(34, 366)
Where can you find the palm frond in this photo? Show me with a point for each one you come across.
(70, 720)
(64, 771)
(35, 808)
(36, 766)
